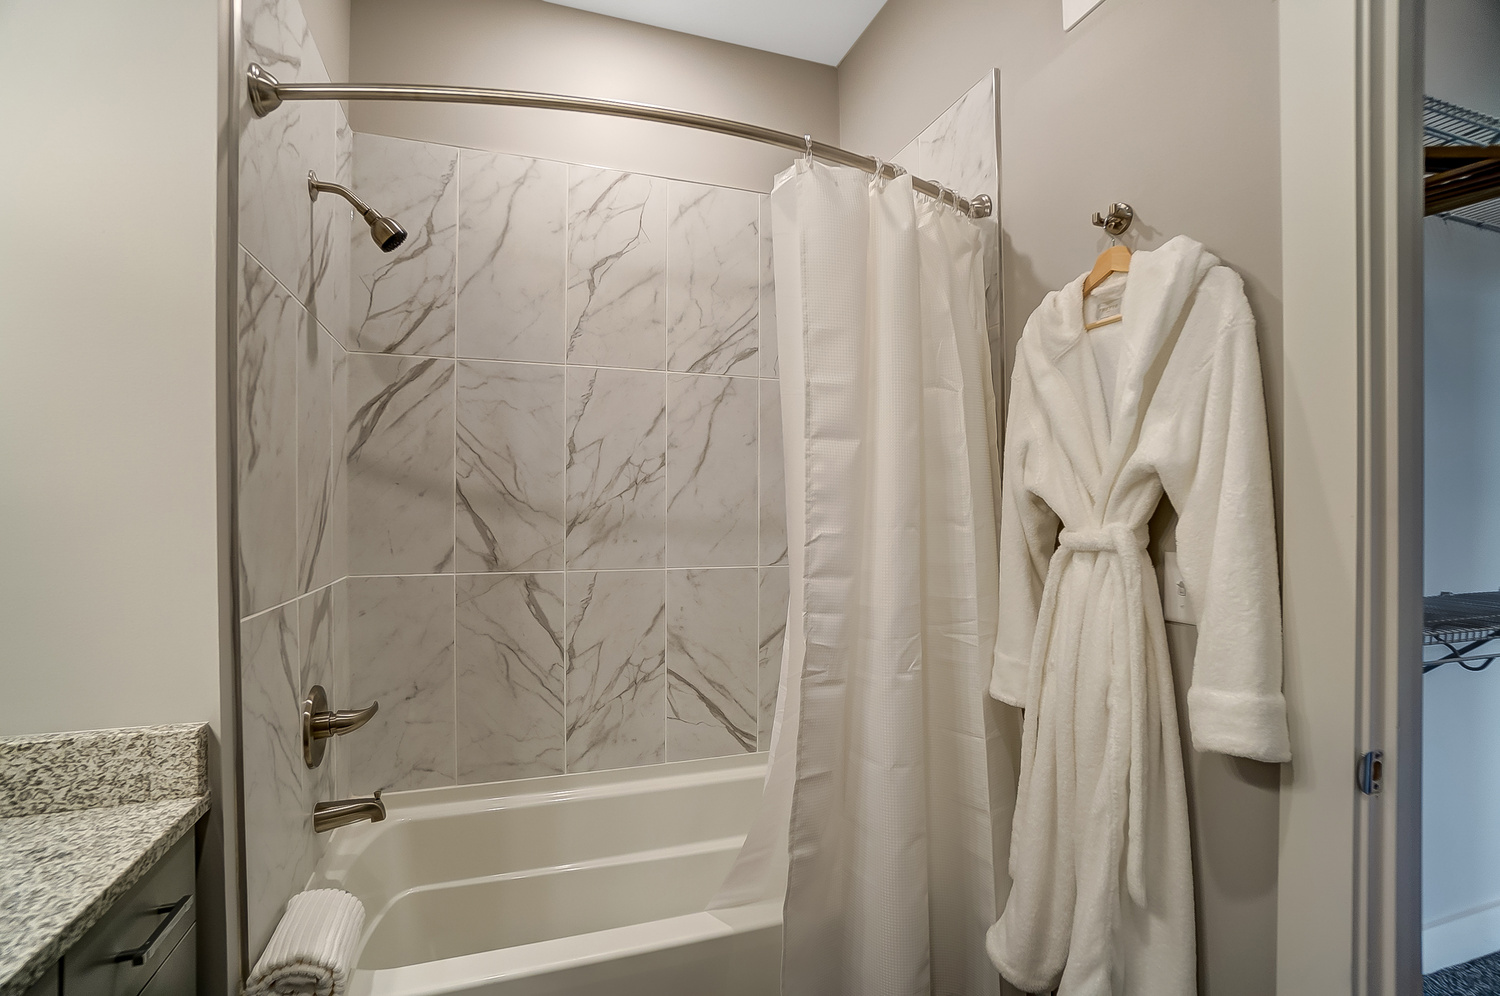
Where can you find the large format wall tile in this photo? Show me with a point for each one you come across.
(617, 269)
(616, 669)
(400, 451)
(960, 149)
(322, 498)
(511, 250)
(773, 604)
(772, 477)
(280, 847)
(711, 663)
(713, 279)
(616, 456)
(768, 347)
(269, 329)
(277, 151)
(323, 649)
(331, 221)
(509, 656)
(510, 467)
(401, 655)
(402, 301)
(711, 470)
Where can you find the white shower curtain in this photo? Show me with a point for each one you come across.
(879, 809)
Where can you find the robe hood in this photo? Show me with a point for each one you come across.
(1158, 288)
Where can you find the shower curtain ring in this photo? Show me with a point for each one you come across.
(807, 141)
(879, 171)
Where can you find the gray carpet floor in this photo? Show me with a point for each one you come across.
(1480, 977)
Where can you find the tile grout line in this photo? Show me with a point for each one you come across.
(458, 178)
(760, 443)
(567, 662)
(666, 473)
(567, 591)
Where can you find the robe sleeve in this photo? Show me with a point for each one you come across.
(1220, 484)
(1028, 536)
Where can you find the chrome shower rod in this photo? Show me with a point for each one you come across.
(267, 93)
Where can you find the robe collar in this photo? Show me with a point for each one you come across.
(1158, 288)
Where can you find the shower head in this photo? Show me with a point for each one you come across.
(385, 232)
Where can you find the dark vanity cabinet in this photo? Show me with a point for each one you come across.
(146, 945)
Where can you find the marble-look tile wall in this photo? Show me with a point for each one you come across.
(961, 149)
(566, 533)
(291, 384)
(520, 480)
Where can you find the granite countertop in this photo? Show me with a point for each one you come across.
(82, 819)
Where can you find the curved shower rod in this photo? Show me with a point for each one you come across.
(267, 94)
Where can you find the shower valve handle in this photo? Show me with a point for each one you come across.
(319, 723)
(336, 724)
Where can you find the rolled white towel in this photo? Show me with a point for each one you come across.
(312, 949)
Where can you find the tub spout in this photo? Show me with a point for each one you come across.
(329, 815)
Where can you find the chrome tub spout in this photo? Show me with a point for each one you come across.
(329, 815)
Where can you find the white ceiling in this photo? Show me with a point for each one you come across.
(815, 30)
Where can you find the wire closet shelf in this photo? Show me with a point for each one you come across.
(1444, 123)
(267, 93)
(1462, 625)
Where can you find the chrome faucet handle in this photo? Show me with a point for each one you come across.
(318, 723)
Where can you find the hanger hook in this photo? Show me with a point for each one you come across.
(1117, 221)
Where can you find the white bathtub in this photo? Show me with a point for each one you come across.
(591, 883)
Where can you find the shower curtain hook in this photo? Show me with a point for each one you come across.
(879, 171)
(807, 141)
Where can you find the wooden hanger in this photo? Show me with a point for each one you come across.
(1115, 259)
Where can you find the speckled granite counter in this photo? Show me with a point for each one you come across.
(82, 818)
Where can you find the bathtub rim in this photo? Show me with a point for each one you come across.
(444, 800)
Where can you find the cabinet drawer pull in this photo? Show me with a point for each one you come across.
(175, 912)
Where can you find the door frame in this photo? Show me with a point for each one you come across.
(1349, 880)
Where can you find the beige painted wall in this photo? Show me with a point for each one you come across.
(110, 364)
(328, 20)
(532, 45)
(108, 530)
(1172, 106)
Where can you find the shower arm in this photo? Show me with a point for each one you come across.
(267, 93)
(316, 187)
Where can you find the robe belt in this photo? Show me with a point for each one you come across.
(1113, 537)
(1129, 545)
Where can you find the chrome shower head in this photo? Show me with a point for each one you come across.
(385, 232)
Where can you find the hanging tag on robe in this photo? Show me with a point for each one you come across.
(1174, 600)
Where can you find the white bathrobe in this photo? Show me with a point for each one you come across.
(1101, 424)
